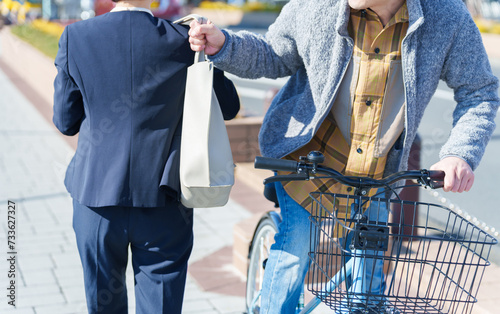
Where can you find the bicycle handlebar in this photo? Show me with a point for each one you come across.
(275, 164)
(306, 169)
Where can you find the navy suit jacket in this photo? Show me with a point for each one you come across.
(120, 84)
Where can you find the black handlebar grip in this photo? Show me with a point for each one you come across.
(275, 164)
(437, 177)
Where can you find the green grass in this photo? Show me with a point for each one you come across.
(47, 44)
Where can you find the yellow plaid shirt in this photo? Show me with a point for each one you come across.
(376, 46)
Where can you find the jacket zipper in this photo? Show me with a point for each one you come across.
(403, 57)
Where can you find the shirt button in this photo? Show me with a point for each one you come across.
(368, 102)
(377, 50)
(359, 150)
(363, 13)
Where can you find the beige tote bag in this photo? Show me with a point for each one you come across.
(206, 161)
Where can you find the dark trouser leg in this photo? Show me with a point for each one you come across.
(103, 246)
(161, 242)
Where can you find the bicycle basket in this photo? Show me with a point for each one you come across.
(361, 260)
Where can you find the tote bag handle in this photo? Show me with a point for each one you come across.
(199, 56)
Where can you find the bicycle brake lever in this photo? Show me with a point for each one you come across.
(435, 179)
(288, 177)
(436, 184)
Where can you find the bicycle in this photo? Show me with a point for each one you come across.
(433, 268)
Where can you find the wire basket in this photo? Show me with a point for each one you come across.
(362, 262)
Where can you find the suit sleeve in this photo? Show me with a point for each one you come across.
(226, 95)
(68, 103)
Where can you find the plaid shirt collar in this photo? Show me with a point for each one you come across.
(401, 15)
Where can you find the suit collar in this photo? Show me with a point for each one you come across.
(120, 9)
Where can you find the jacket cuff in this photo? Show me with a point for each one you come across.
(221, 55)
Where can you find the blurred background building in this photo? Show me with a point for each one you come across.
(20, 11)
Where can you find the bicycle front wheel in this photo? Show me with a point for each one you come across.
(259, 252)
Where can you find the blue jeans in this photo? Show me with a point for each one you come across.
(288, 261)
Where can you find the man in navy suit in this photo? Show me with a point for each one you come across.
(120, 85)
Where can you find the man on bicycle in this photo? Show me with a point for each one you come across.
(362, 73)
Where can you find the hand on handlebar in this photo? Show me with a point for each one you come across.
(459, 176)
(310, 165)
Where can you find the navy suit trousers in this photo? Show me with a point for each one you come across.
(160, 242)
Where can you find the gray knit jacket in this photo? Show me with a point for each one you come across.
(309, 42)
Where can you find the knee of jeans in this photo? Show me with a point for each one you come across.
(377, 211)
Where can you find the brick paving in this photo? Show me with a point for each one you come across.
(33, 160)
